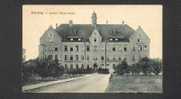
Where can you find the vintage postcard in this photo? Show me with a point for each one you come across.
(92, 49)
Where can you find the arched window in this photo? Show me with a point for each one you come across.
(77, 47)
(71, 49)
(65, 48)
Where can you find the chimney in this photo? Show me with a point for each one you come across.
(106, 21)
(123, 22)
(56, 25)
(70, 23)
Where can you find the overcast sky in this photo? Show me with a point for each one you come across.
(37, 19)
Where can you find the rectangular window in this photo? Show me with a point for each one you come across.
(56, 49)
(71, 57)
(82, 57)
(65, 66)
(113, 49)
(65, 48)
(141, 48)
(77, 57)
(125, 49)
(102, 58)
(50, 57)
(56, 56)
(87, 57)
(65, 57)
(77, 66)
(88, 48)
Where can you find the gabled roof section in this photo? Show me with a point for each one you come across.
(140, 30)
(120, 31)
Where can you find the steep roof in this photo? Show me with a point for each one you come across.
(120, 31)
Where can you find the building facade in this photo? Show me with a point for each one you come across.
(94, 45)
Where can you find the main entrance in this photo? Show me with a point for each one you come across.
(95, 66)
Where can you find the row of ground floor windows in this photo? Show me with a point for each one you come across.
(82, 66)
(76, 57)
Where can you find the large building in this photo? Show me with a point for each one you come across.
(94, 45)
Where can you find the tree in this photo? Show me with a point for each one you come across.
(122, 68)
(145, 65)
(156, 66)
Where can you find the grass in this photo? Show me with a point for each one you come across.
(33, 80)
(135, 84)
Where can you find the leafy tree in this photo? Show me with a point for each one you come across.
(122, 68)
(145, 64)
(156, 66)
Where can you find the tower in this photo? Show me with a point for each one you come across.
(94, 19)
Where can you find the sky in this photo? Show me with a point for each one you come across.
(37, 18)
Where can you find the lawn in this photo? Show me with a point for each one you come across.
(135, 84)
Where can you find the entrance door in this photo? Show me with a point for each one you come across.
(95, 65)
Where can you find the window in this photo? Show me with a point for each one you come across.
(77, 57)
(145, 46)
(71, 57)
(82, 66)
(102, 58)
(95, 40)
(50, 57)
(77, 66)
(134, 49)
(65, 66)
(134, 58)
(119, 58)
(82, 57)
(88, 66)
(71, 66)
(56, 49)
(56, 56)
(77, 47)
(113, 49)
(138, 40)
(88, 48)
(87, 57)
(141, 48)
(65, 57)
(65, 48)
(114, 58)
(125, 49)
(71, 49)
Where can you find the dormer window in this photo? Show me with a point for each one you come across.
(71, 39)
